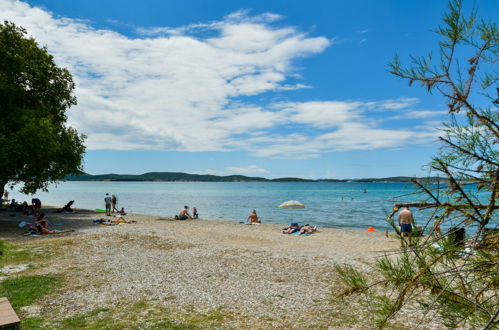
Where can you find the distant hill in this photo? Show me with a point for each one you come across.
(186, 177)
(164, 176)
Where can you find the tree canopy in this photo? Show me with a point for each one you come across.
(36, 146)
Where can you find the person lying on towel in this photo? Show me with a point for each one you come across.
(307, 229)
(294, 227)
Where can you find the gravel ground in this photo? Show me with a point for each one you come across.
(254, 271)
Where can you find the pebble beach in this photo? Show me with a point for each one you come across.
(252, 271)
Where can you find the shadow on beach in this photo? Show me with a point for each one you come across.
(78, 220)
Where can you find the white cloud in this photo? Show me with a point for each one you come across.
(323, 114)
(211, 172)
(418, 114)
(399, 103)
(246, 170)
(229, 170)
(177, 90)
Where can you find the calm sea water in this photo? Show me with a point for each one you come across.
(337, 205)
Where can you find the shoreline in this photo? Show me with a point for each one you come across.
(326, 206)
(344, 244)
(252, 274)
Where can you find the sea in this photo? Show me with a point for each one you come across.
(350, 205)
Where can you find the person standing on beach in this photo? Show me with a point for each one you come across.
(107, 200)
(114, 202)
(406, 222)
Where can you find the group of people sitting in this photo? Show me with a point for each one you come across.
(251, 220)
(295, 227)
(25, 208)
(184, 214)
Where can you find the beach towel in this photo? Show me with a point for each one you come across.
(24, 224)
(297, 233)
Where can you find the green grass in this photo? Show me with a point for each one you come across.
(17, 253)
(32, 323)
(24, 290)
(12, 254)
(143, 314)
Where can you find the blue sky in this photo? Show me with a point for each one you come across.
(259, 88)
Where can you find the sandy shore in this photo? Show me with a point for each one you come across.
(255, 271)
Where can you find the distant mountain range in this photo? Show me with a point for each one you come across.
(186, 177)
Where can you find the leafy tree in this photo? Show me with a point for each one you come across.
(456, 281)
(36, 146)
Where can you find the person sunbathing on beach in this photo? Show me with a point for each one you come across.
(119, 220)
(41, 221)
(46, 231)
(184, 214)
(252, 218)
(294, 227)
(307, 229)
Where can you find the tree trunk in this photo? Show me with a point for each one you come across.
(2, 189)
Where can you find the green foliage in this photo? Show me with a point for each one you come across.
(24, 290)
(354, 280)
(457, 281)
(36, 146)
(398, 271)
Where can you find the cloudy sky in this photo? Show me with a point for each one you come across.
(260, 88)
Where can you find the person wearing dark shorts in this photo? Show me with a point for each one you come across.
(406, 228)
(406, 222)
(184, 214)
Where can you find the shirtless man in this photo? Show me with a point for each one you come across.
(406, 222)
(184, 214)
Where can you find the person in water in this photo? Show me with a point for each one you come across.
(195, 214)
(252, 218)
